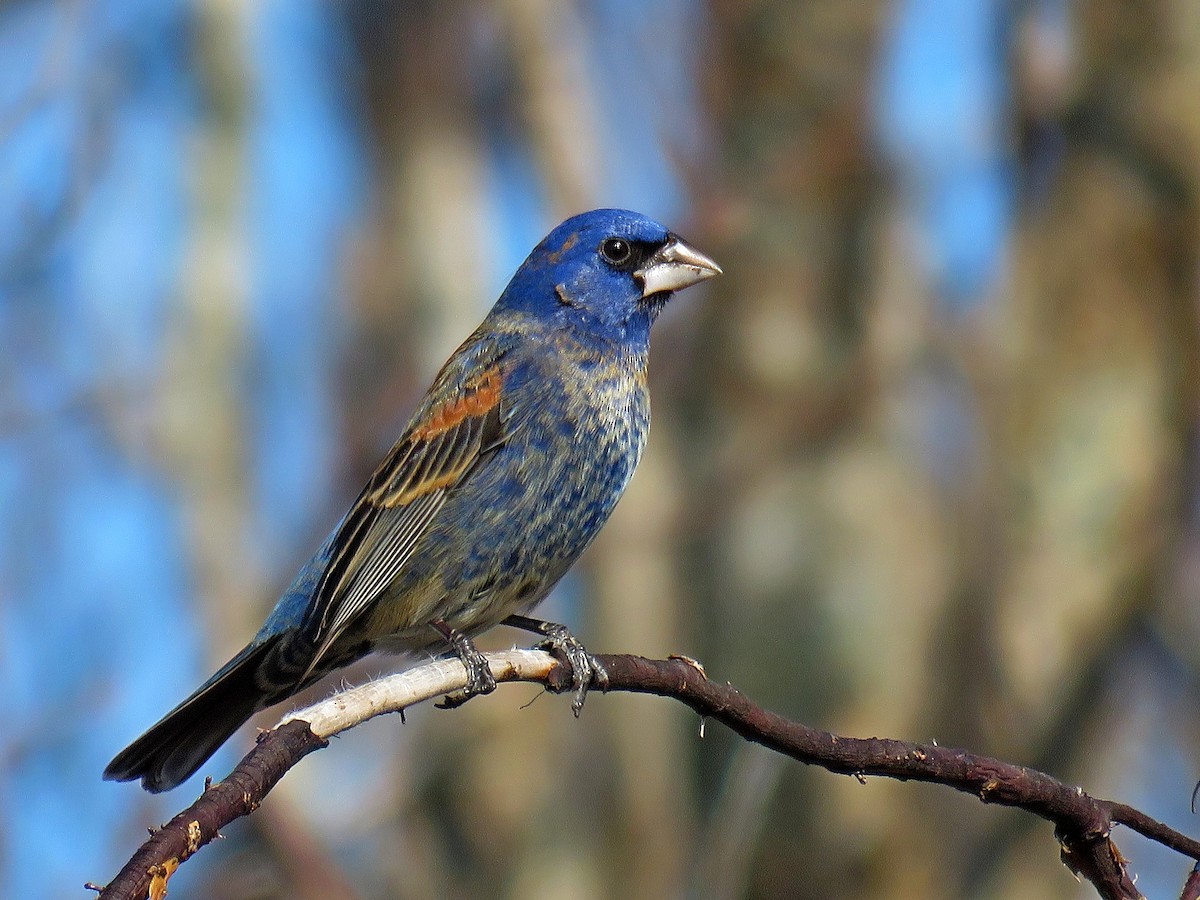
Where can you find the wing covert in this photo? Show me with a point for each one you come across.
(460, 425)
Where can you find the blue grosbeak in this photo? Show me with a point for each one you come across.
(507, 471)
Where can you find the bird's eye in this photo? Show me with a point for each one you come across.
(616, 250)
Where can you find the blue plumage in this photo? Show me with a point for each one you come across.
(513, 462)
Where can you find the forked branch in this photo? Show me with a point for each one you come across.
(1082, 823)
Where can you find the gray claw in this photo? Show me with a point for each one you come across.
(480, 679)
(586, 671)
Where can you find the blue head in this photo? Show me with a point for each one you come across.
(607, 273)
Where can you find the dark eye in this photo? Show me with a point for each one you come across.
(616, 250)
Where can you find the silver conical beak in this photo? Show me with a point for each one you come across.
(674, 267)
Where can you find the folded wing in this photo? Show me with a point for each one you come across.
(460, 426)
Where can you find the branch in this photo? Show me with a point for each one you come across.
(1082, 823)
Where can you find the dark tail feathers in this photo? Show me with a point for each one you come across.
(178, 745)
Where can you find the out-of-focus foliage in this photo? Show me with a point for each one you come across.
(924, 461)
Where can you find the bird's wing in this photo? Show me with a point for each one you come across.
(461, 423)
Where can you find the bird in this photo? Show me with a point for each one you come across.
(511, 464)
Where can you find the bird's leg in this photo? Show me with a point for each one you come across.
(586, 670)
(479, 675)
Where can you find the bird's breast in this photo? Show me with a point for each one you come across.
(583, 437)
(577, 429)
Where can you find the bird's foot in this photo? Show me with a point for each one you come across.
(586, 670)
(479, 675)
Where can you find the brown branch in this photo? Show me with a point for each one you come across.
(238, 795)
(1191, 887)
(1082, 823)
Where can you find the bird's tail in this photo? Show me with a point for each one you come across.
(174, 748)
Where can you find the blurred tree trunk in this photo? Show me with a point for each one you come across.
(1096, 391)
(1099, 355)
(846, 585)
(208, 345)
(825, 546)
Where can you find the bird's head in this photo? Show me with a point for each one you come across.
(607, 272)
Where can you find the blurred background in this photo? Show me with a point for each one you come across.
(924, 462)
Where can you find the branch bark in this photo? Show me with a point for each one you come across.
(1082, 823)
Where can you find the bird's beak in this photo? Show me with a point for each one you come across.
(675, 266)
